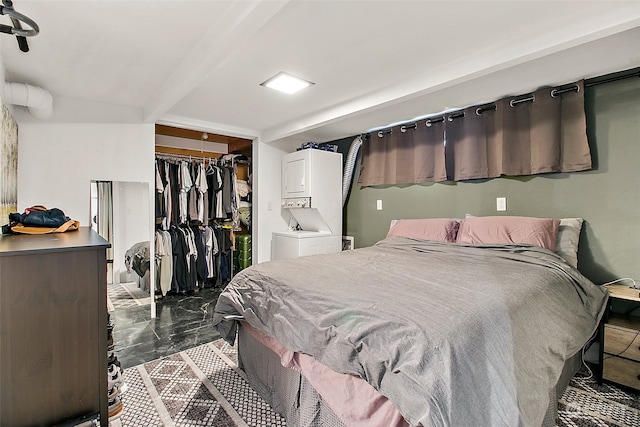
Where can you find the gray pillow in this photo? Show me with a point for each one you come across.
(568, 237)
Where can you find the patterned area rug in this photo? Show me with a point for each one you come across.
(198, 387)
(204, 387)
(585, 403)
(124, 295)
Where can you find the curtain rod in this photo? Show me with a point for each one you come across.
(613, 77)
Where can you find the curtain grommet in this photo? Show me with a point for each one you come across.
(484, 108)
(382, 133)
(404, 128)
(555, 92)
(455, 116)
(430, 122)
(515, 102)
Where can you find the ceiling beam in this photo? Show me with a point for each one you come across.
(240, 21)
(184, 122)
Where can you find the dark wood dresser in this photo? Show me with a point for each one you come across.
(53, 328)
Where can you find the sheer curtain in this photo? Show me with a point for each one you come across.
(105, 214)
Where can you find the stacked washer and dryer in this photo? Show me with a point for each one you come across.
(312, 194)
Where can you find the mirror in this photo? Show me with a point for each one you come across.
(120, 214)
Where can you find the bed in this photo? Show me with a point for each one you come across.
(137, 259)
(442, 323)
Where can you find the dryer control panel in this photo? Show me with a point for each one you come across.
(300, 202)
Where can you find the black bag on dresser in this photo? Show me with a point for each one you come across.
(40, 220)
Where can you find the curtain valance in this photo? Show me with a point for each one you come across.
(541, 132)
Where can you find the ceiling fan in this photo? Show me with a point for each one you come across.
(17, 19)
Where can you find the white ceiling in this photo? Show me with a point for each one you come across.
(199, 64)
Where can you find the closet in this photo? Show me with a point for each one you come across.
(203, 210)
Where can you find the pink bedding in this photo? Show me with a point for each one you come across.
(437, 229)
(509, 230)
(351, 398)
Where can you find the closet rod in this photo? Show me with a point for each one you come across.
(184, 157)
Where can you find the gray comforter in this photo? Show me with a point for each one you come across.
(453, 335)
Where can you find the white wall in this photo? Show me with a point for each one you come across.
(56, 162)
(267, 215)
(130, 224)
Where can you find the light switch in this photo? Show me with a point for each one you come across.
(501, 204)
(379, 205)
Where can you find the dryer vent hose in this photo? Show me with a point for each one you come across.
(349, 166)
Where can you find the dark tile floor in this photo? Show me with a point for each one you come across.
(181, 322)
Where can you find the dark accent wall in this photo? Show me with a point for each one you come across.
(607, 197)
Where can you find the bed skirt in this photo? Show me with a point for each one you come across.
(290, 394)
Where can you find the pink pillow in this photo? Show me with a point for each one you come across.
(438, 229)
(486, 230)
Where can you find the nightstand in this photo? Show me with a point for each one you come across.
(621, 352)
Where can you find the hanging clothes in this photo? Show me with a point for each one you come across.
(191, 257)
(190, 195)
(203, 188)
(226, 192)
(168, 198)
(179, 251)
(201, 260)
(193, 195)
(215, 178)
(164, 261)
(185, 185)
(159, 196)
(211, 250)
(174, 172)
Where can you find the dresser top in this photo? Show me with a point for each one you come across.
(22, 244)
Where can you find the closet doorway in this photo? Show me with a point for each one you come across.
(203, 211)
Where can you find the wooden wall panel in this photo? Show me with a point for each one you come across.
(235, 144)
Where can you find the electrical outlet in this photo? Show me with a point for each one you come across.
(501, 204)
(379, 205)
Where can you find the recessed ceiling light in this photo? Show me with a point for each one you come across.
(286, 83)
